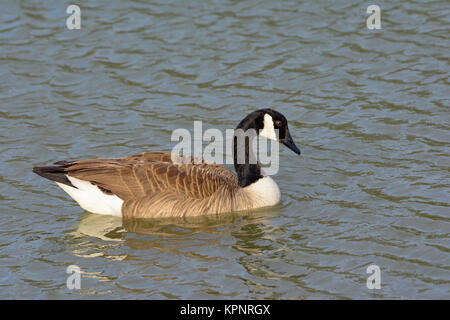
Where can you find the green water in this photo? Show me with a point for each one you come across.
(368, 108)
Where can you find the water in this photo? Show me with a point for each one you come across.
(368, 109)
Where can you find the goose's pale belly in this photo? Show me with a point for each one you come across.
(262, 193)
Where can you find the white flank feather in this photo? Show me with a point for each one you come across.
(91, 198)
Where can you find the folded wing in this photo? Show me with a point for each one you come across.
(152, 182)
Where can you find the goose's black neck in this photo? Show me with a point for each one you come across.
(247, 168)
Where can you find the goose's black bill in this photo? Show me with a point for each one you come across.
(288, 142)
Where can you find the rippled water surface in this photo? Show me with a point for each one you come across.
(368, 108)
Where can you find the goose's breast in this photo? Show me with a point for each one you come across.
(265, 192)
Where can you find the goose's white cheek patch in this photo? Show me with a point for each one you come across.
(269, 130)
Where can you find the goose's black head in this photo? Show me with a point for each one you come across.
(270, 124)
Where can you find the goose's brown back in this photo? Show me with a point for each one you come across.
(152, 185)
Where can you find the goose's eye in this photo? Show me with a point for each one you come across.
(278, 123)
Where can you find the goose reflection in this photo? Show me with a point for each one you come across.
(109, 228)
(164, 249)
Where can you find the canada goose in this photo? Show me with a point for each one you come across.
(152, 184)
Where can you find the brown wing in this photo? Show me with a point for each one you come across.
(148, 174)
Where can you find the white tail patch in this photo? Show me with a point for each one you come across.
(91, 198)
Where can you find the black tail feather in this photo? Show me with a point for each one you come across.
(54, 173)
(64, 163)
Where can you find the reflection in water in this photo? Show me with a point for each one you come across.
(164, 248)
(174, 234)
(179, 227)
(109, 228)
(104, 227)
